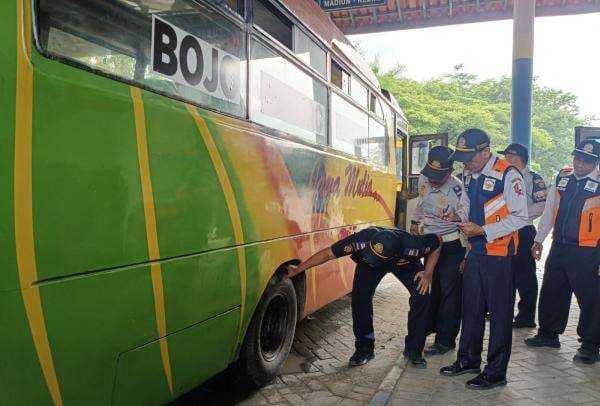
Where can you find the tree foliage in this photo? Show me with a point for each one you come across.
(459, 100)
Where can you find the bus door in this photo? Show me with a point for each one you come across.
(401, 140)
(418, 149)
(586, 133)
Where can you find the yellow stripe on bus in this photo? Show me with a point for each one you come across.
(342, 273)
(23, 201)
(232, 207)
(151, 232)
(313, 274)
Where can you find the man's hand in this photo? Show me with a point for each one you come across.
(471, 229)
(536, 250)
(424, 285)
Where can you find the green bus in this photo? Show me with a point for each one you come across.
(161, 162)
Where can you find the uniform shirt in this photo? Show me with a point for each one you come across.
(413, 247)
(515, 201)
(547, 220)
(535, 190)
(436, 203)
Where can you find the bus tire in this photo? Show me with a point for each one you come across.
(270, 334)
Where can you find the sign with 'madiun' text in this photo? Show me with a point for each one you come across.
(333, 5)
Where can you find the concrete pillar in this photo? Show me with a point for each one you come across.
(522, 71)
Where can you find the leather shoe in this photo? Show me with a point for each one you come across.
(457, 369)
(484, 381)
(415, 358)
(587, 355)
(361, 356)
(437, 349)
(541, 341)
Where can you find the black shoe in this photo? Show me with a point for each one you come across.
(415, 358)
(541, 341)
(523, 324)
(457, 369)
(437, 349)
(587, 355)
(361, 356)
(484, 381)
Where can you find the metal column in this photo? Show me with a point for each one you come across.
(522, 71)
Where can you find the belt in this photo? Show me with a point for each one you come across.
(453, 236)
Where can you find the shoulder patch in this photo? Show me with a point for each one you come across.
(565, 171)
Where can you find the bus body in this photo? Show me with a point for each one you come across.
(147, 207)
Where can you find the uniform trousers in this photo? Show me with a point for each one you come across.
(488, 283)
(569, 270)
(366, 279)
(446, 294)
(525, 277)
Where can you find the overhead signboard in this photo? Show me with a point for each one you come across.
(333, 5)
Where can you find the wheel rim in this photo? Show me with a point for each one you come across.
(273, 329)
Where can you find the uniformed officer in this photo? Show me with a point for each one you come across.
(437, 213)
(573, 210)
(497, 209)
(377, 251)
(523, 262)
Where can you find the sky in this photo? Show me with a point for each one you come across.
(566, 53)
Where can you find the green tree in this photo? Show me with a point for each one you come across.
(459, 100)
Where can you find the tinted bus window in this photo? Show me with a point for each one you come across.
(189, 51)
(359, 92)
(349, 127)
(340, 78)
(309, 52)
(378, 145)
(286, 98)
(267, 17)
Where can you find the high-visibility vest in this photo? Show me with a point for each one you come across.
(577, 210)
(488, 206)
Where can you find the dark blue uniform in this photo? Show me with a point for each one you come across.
(404, 266)
(495, 200)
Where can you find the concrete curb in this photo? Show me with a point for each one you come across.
(385, 390)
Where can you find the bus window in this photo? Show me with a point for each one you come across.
(270, 19)
(119, 41)
(278, 84)
(378, 145)
(349, 127)
(309, 52)
(359, 92)
(420, 149)
(340, 78)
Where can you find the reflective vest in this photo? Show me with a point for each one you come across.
(577, 210)
(487, 206)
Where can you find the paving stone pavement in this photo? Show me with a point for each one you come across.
(317, 371)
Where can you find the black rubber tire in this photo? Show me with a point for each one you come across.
(270, 334)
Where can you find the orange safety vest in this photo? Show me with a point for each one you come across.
(577, 210)
(488, 206)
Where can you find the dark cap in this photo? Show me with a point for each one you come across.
(469, 143)
(383, 247)
(588, 150)
(439, 163)
(518, 150)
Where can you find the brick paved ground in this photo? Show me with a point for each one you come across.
(317, 372)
